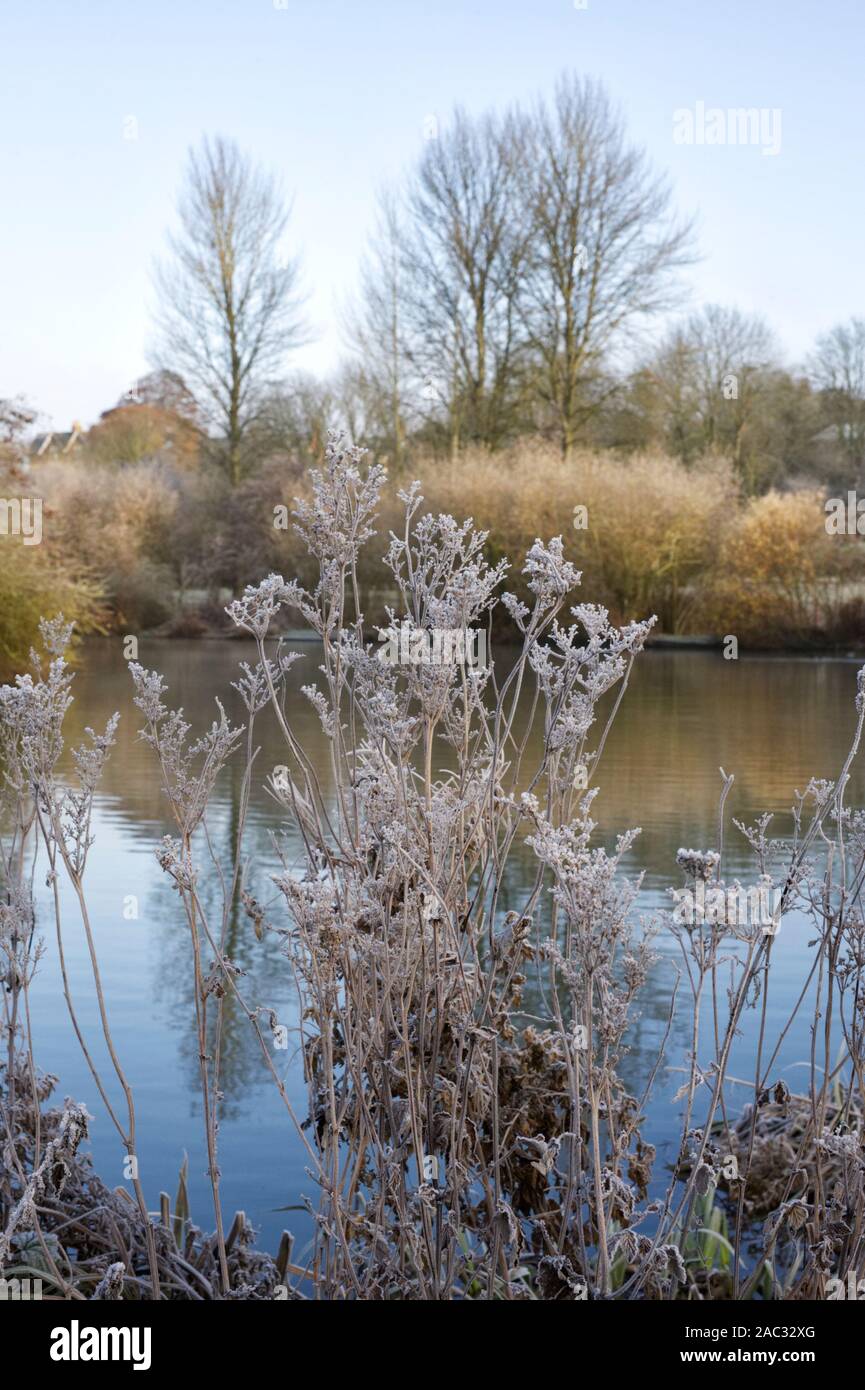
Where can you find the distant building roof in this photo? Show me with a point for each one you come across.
(54, 442)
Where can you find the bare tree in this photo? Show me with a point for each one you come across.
(440, 286)
(229, 309)
(517, 251)
(166, 390)
(464, 257)
(465, 260)
(604, 247)
(16, 417)
(295, 419)
(376, 332)
(714, 374)
(837, 369)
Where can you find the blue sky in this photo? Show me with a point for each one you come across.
(333, 96)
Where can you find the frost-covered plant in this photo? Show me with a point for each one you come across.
(445, 1123)
(39, 805)
(468, 1131)
(463, 1146)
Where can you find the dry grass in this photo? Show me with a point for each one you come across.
(676, 541)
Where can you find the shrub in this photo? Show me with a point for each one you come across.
(117, 523)
(141, 596)
(33, 583)
(36, 579)
(654, 532)
(779, 577)
(654, 527)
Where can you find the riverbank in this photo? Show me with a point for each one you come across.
(661, 641)
(163, 550)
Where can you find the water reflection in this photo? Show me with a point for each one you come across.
(774, 723)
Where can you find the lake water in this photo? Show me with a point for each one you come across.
(773, 722)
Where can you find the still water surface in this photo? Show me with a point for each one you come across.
(773, 722)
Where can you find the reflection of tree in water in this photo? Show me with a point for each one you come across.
(266, 980)
(684, 715)
(195, 673)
